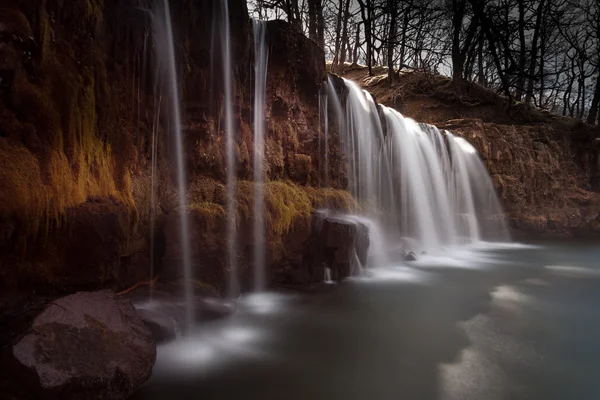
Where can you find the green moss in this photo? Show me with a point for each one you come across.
(211, 210)
(335, 199)
(205, 189)
(284, 201)
(211, 214)
(291, 139)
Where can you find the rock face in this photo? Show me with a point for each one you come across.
(341, 244)
(80, 112)
(208, 240)
(89, 345)
(543, 175)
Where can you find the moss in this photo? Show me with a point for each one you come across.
(284, 201)
(336, 199)
(300, 167)
(208, 209)
(205, 189)
(21, 188)
(291, 139)
(68, 162)
(212, 214)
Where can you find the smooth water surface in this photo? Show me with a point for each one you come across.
(488, 322)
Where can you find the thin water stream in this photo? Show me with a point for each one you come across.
(260, 82)
(165, 47)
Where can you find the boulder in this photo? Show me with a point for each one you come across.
(338, 232)
(89, 345)
(410, 256)
(337, 243)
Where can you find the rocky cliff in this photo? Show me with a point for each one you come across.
(81, 101)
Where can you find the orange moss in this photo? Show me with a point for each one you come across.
(336, 199)
(284, 201)
(21, 188)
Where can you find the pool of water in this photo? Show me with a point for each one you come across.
(485, 322)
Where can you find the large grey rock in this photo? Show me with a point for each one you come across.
(89, 345)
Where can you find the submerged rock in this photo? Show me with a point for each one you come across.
(410, 256)
(89, 345)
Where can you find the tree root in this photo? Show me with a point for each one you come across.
(137, 285)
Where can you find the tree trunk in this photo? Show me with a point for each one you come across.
(338, 37)
(480, 71)
(542, 65)
(522, 53)
(365, 13)
(393, 10)
(356, 45)
(345, 42)
(320, 24)
(312, 20)
(458, 53)
(593, 114)
(534, 49)
(403, 40)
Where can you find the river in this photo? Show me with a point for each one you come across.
(486, 322)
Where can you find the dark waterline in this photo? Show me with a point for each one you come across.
(496, 323)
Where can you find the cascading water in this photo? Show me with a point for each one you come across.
(260, 83)
(154, 178)
(464, 205)
(232, 246)
(165, 47)
(324, 123)
(430, 187)
(487, 210)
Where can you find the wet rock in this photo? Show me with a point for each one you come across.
(410, 256)
(337, 243)
(90, 245)
(362, 242)
(163, 326)
(409, 244)
(89, 345)
(208, 238)
(338, 232)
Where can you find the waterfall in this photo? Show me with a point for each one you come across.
(486, 205)
(260, 83)
(464, 205)
(431, 187)
(165, 47)
(154, 177)
(324, 117)
(231, 165)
